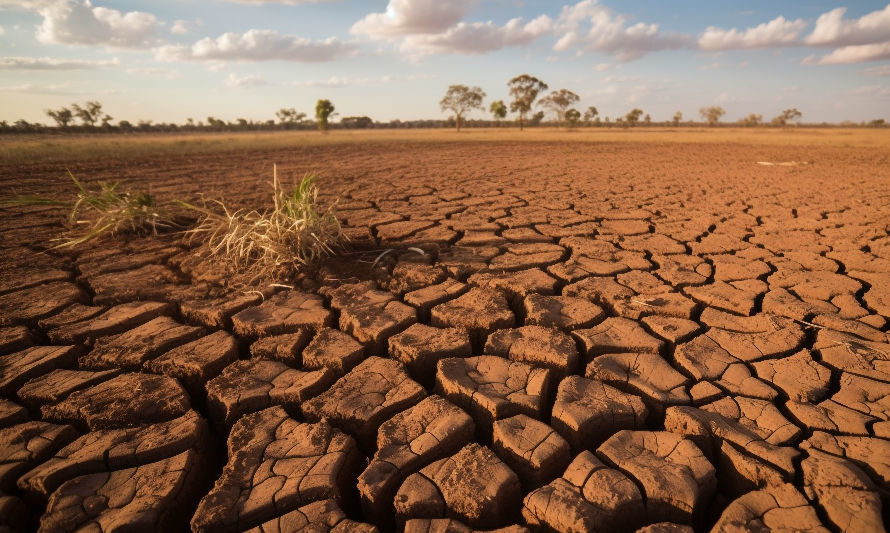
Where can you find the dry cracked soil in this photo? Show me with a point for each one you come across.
(597, 337)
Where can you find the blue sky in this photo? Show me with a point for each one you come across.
(170, 60)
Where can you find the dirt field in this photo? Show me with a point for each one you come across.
(603, 333)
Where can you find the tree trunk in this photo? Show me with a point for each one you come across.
(457, 121)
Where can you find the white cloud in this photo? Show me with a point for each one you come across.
(406, 17)
(49, 63)
(477, 37)
(852, 54)
(833, 30)
(251, 80)
(2, 31)
(610, 33)
(777, 32)
(73, 22)
(180, 27)
(256, 45)
(602, 67)
(883, 70)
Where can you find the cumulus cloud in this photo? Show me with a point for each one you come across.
(405, 17)
(75, 22)
(256, 45)
(777, 32)
(180, 27)
(477, 37)
(251, 80)
(592, 27)
(852, 54)
(48, 63)
(832, 29)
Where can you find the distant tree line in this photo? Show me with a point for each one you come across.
(459, 100)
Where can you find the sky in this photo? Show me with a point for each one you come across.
(170, 60)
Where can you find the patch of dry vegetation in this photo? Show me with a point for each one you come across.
(105, 211)
(275, 242)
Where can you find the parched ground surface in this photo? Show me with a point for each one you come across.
(598, 336)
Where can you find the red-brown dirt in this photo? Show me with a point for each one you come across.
(599, 336)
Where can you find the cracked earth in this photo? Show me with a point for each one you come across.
(597, 337)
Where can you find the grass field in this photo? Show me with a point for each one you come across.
(52, 148)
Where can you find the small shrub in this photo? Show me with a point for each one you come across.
(106, 211)
(276, 242)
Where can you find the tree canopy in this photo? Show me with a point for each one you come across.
(559, 101)
(323, 111)
(90, 113)
(788, 115)
(712, 114)
(498, 109)
(459, 99)
(524, 89)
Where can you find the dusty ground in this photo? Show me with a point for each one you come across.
(601, 336)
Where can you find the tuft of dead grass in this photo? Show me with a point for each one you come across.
(106, 211)
(275, 242)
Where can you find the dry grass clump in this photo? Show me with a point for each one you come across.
(276, 242)
(106, 211)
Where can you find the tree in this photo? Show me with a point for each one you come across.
(536, 119)
(62, 116)
(499, 110)
(591, 113)
(788, 115)
(712, 114)
(323, 110)
(573, 116)
(678, 116)
(559, 101)
(89, 113)
(356, 122)
(289, 115)
(215, 123)
(647, 120)
(459, 99)
(633, 117)
(524, 89)
(752, 120)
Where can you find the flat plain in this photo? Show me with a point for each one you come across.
(572, 330)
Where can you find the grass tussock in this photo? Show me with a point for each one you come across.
(105, 211)
(275, 242)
